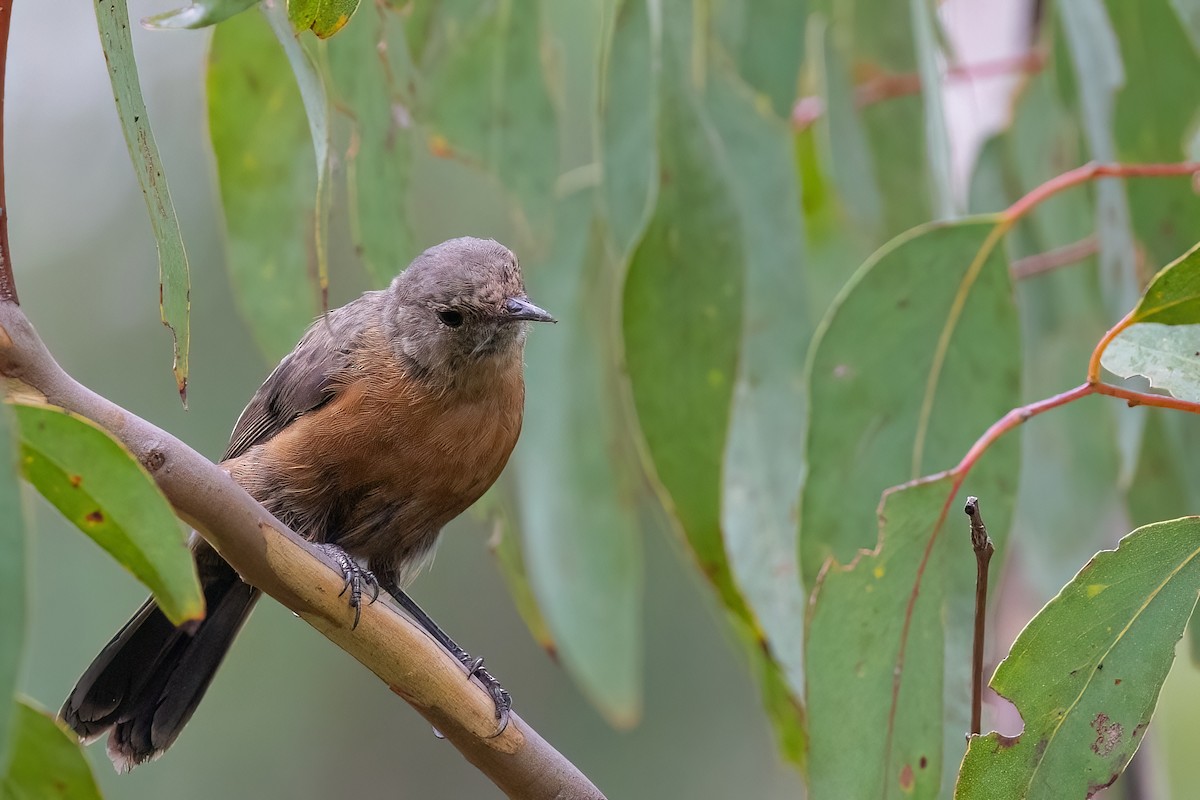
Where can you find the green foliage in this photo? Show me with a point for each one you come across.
(174, 283)
(12, 579)
(262, 145)
(46, 764)
(103, 491)
(690, 223)
(1086, 672)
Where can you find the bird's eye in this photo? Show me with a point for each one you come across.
(451, 318)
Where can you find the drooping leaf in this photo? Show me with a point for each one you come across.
(1173, 297)
(263, 150)
(486, 104)
(506, 548)
(1166, 354)
(174, 283)
(1096, 55)
(1086, 672)
(918, 356)
(199, 14)
(316, 108)
(937, 137)
(764, 447)
(628, 111)
(687, 277)
(765, 39)
(322, 17)
(12, 578)
(378, 161)
(1189, 16)
(577, 507)
(101, 489)
(851, 162)
(1155, 113)
(47, 762)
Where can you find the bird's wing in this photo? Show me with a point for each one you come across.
(306, 379)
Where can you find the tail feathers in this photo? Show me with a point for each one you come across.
(146, 683)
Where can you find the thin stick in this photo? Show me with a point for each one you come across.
(8, 286)
(1039, 263)
(981, 543)
(1090, 172)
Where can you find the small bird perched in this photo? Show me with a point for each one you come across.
(393, 414)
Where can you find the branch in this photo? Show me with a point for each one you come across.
(889, 85)
(1040, 263)
(8, 286)
(273, 558)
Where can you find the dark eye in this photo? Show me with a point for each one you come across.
(451, 318)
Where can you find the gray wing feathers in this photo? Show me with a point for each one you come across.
(305, 378)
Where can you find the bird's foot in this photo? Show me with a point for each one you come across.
(355, 576)
(499, 695)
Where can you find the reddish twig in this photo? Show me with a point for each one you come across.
(1090, 172)
(8, 285)
(1040, 263)
(981, 543)
(887, 86)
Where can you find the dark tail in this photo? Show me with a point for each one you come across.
(146, 682)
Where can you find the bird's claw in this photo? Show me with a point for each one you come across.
(354, 576)
(500, 696)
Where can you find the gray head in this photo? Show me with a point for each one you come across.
(460, 305)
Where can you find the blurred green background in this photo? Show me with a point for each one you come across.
(318, 724)
(289, 715)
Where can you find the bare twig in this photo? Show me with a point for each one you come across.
(1039, 263)
(887, 85)
(981, 543)
(1090, 172)
(8, 286)
(270, 556)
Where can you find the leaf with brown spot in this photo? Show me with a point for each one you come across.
(105, 492)
(1125, 612)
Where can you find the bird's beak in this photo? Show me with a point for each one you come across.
(520, 308)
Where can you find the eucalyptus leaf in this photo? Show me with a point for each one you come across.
(102, 490)
(47, 763)
(1168, 355)
(1086, 672)
(13, 581)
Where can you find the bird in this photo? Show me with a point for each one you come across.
(392, 415)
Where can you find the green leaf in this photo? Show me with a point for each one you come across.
(322, 17)
(875, 673)
(1096, 56)
(263, 150)
(1169, 355)
(199, 14)
(316, 109)
(174, 283)
(763, 450)
(1086, 672)
(47, 762)
(918, 356)
(763, 38)
(378, 164)
(687, 277)
(12, 578)
(628, 119)
(101, 489)
(1154, 115)
(1173, 297)
(1189, 16)
(506, 548)
(937, 137)
(577, 497)
(487, 105)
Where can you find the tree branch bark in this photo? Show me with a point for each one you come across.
(275, 559)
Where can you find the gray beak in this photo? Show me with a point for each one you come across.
(520, 308)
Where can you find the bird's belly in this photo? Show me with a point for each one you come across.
(378, 477)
